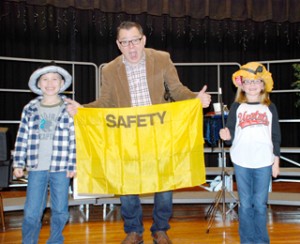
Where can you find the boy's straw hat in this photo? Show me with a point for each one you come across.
(253, 70)
(33, 80)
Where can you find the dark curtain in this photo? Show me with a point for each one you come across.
(257, 10)
(191, 31)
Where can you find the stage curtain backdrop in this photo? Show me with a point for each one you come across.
(225, 31)
(257, 10)
(140, 149)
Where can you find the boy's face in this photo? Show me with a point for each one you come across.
(50, 83)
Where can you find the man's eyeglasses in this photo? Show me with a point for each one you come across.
(248, 82)
(134, 42)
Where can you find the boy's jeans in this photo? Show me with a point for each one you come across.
(36, 200)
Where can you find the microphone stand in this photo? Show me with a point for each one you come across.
(221, 194)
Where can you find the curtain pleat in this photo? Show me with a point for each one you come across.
(256, 10)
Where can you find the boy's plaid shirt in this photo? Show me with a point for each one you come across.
(27, 141)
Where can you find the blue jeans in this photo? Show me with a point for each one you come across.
(132, 213)
(253, 189)
(36, 200)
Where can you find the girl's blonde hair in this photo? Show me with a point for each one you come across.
(242, 98)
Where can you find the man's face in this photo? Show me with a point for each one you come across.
(131, 43)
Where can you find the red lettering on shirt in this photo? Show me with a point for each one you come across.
(255, 118)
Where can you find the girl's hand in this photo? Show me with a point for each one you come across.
(275, 167)
(225, 134)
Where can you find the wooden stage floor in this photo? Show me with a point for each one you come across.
(188, 224)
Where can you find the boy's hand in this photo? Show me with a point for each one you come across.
(71, 174)
(18, 172)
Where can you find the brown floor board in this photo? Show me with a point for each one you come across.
(188, 224)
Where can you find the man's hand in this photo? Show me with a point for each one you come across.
(72, 106)
(204, 97)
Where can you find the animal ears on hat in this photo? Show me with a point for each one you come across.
(259, 69)
(253, 70)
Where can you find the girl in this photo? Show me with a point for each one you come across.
(253, 129)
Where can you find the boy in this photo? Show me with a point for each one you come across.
(45, 146)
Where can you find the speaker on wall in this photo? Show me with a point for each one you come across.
(4, 144)
(5, 173)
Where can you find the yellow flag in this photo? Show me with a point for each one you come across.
(140, 149)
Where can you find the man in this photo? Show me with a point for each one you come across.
(141, 77)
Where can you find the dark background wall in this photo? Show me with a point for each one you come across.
(192, 31)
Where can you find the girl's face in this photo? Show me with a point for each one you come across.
(252, 89)
(50, 84)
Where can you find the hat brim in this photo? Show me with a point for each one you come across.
(49, 69)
